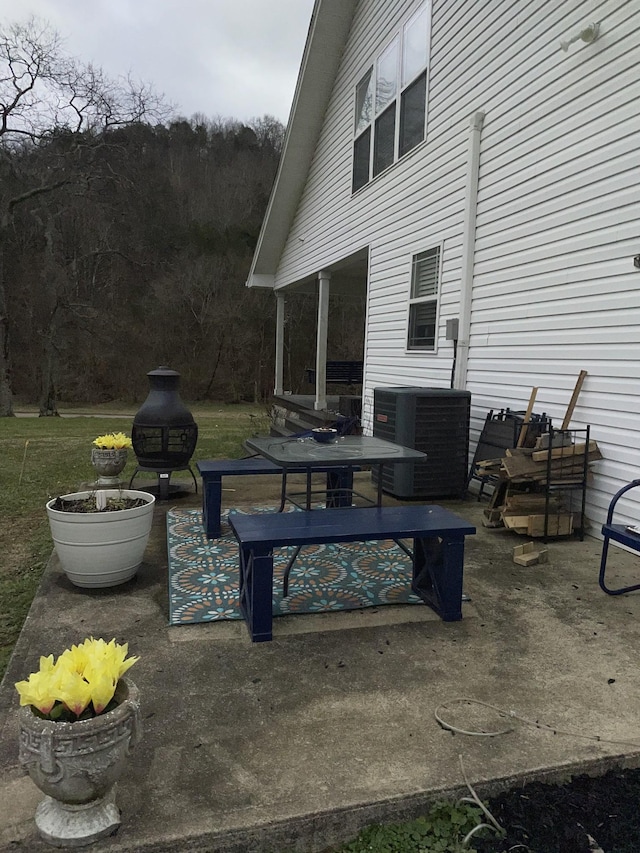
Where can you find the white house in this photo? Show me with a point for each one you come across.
(478, 161)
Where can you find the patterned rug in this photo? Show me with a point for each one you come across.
(203, 574)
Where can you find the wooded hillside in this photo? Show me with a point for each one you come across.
(125, 241)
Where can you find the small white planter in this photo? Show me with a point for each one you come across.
(100, 549)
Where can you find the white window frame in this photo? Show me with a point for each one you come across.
(401, 88)
(411, 301)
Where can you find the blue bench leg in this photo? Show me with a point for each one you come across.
(211, 505)
(339, 487)
(256, 592)
(437, 575)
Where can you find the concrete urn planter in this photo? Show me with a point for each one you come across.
(76, 765)
(101, 549)
(108, 464)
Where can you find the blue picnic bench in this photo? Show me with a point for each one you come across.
(437, 554)
(339, 484)
(339, 373)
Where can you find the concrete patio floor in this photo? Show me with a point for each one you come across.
(296, 744)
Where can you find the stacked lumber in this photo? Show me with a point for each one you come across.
(520, 501)
(523, 498)
(565, 467)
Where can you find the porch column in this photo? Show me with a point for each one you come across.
(324, 281)
(279, 369)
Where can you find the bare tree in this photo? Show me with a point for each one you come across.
(45, 96)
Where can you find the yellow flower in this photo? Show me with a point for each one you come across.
(102, 686)
(38, 690)
(84, 674)
(72, 690)
(113, 441)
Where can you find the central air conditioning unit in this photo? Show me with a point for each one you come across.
(434, 420)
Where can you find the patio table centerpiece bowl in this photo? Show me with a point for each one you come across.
(325, 435)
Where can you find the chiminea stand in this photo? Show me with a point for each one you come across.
(164, 477)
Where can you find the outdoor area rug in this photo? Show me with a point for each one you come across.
(203, 574)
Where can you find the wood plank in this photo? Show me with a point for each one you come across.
(557, 525)
(516, 522)
(571, 450)
(526, 559)
(489, 463)
(531, 504)
(574, 400)
(570, 468)
(527, 417)
(499, 492)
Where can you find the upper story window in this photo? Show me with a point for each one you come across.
(423, 301)
(391, 101)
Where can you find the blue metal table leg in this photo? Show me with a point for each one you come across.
(340, 487)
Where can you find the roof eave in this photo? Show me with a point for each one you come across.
(327, 36)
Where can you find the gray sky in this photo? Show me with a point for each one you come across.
(228, 58)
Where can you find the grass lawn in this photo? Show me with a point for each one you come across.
(46, 457)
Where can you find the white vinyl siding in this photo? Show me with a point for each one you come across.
(558, 214)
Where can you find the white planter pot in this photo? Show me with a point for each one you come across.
(76, 765)
(99, 549)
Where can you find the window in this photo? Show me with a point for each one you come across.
(391, 101)
(423, 302)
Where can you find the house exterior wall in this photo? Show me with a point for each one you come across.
(558, 213)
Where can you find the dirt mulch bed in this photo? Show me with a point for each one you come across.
(542, 818)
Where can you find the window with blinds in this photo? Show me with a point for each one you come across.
(391, 100)
(423, 301)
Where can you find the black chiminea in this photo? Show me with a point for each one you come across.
(164, 434)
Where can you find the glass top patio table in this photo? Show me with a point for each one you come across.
(345, 451)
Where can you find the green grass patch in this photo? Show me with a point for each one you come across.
(46, 457)
(442, 830)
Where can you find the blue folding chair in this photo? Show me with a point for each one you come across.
(621, 534)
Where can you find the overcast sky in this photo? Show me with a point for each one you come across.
(229, 58)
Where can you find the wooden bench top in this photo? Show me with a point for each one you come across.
(350, 524)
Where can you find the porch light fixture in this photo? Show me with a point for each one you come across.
(588, 35)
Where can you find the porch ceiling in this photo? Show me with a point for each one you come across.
(348, 277)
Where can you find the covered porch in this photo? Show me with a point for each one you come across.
(340, 290)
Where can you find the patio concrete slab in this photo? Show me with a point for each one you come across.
(294, 745)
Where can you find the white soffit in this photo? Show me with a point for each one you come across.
(327, 36)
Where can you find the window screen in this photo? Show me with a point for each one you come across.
(425, 273)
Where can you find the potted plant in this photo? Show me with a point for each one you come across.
(79, 720)
(109, 456)
(101, 535)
